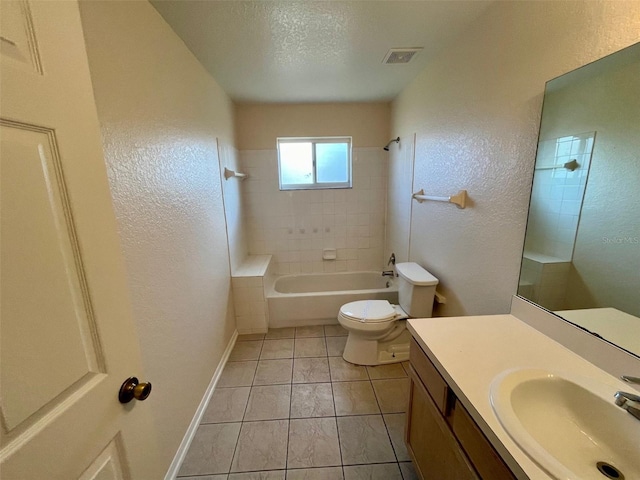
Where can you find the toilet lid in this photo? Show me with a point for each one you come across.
(369, 311)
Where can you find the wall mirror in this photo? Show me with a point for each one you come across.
(581, 257)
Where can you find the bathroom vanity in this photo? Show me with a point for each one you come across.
(442, 438)
(459, 425)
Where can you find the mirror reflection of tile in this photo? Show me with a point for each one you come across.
(582, 247)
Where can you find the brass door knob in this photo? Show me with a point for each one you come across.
(132, 388)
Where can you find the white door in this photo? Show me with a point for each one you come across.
(67, 339)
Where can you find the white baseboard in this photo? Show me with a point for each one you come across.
(193, 426)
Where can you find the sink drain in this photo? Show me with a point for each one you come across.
(609, 471)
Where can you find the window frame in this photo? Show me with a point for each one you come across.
(317, 185)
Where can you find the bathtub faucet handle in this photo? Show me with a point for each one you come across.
(392, 259)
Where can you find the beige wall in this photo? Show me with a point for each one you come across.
(258, 125)
(476, 111)
(160, 114)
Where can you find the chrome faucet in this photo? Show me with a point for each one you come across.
(388, 273)
(629, 401)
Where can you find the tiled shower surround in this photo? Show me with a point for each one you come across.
(295, 226)
(557, 194)
(287, 406)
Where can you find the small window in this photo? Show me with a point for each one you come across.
(310, 163)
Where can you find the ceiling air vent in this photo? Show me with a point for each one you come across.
(397, 56)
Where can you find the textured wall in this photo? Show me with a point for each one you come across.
(258, 125)
(476, 112)
(160, 113)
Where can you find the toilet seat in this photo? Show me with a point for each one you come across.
(369, 311)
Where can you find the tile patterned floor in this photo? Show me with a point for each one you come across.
(287, 406)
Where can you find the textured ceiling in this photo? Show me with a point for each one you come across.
(314, 51)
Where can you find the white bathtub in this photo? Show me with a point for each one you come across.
(315, 299)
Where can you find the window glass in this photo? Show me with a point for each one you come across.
(296, 163)
(332, 161)
(309, 163)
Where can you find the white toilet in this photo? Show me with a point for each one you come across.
(377, 329)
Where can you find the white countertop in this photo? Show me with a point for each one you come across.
(470, 352)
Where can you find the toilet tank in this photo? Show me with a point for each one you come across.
(416, 289)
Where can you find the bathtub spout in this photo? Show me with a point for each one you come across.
(388, 273)
(400, 327)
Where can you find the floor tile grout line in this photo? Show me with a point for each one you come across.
(286, 458)
(242, 422)
(335, 416)
(300, 418)
(401, 472)
(372, 463)
(385, 424)
(335, 410)
(235, 448)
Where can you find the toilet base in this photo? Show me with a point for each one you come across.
(362, 351)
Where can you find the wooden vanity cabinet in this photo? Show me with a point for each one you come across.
(442, 439)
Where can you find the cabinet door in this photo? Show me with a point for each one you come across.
(434, 449)
(484, 457)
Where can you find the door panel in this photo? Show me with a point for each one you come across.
(44, 297)
(108, 465)
(67, 339)
(18, 41)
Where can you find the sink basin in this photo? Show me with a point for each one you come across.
(569, 426)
